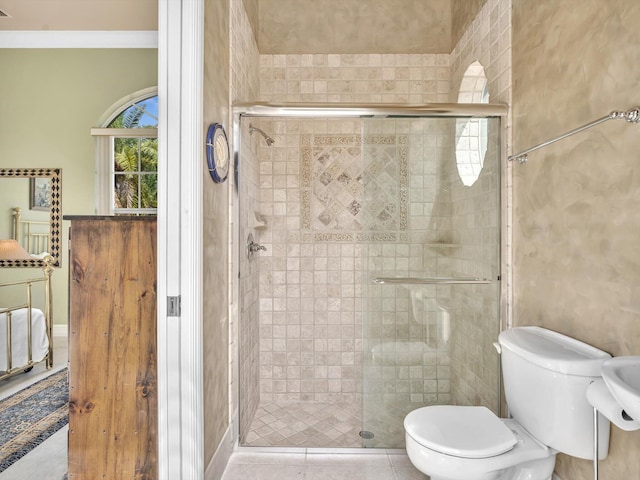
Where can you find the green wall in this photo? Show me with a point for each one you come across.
(49, 101)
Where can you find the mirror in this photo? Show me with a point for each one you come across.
(30, 216)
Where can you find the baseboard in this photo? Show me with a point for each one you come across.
(219, 461)
(60, 330)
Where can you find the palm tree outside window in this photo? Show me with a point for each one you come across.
(135, 160)
(127, 157)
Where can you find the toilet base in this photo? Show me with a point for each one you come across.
(535, 470)
(528, 460)
(527, 471)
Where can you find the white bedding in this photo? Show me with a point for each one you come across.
(39, 340)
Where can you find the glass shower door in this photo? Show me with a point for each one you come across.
(430, 246)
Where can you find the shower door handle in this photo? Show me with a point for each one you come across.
(429, 280)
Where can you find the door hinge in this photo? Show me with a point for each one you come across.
(173, 306)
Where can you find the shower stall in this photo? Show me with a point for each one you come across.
(369, 269)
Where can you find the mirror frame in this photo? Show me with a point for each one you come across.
(55, 213)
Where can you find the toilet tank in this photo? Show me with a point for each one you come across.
(546, 375)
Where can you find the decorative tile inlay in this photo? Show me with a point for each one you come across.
(354, 187)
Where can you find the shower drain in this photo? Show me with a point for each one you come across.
(367, 435)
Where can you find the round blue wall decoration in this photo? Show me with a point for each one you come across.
(217, 152)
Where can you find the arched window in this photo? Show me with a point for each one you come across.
(127, 156)
(471, 134)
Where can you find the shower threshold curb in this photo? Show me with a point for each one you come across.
(318, 450)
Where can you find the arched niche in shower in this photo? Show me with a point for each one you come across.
(471, 133)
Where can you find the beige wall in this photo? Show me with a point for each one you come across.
(251, 9)
(215, 231)
(463, 12)
(49, 100)
(576, 221)
(354, 26)
(83, 15)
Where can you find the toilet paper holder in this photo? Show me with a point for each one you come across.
(600, 398)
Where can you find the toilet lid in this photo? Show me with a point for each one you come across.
(470, 432)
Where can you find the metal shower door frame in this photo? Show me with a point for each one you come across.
(337, 110)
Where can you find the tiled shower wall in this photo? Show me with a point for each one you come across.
(309, 321)
(248, 284)
(244, 336)
(359, 78)
(344, 202)
(406, 350)
(310, 289)
(314, 275)
(474, 253)
(475, 376)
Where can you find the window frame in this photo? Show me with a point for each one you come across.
(471, 133)
(104, 153)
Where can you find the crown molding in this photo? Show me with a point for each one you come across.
(78, 39)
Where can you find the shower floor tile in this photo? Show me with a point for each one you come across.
(306, 424)
(327, 425)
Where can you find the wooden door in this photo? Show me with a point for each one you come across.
(112, 349)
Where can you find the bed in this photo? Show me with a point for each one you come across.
(26, 332)
(33, 235)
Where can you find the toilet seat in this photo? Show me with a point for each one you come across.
(468, 432)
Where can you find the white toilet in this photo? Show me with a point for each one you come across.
(546, 376)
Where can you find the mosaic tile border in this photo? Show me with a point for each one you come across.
(307, 144)
(358, 237)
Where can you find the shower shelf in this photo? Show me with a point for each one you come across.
(258, 221)
(443, 248)
(442, 244)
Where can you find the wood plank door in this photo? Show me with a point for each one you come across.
(112, 349)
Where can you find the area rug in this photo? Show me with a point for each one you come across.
(30, 416)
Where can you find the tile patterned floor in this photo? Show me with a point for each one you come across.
(320, 466)
(386, 421)
(327, 425)
(306, 424)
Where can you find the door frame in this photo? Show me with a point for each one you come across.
(179, 41)
(180, 382)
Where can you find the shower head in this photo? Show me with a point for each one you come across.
(270, 141)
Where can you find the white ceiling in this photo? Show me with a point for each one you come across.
(79, 15)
